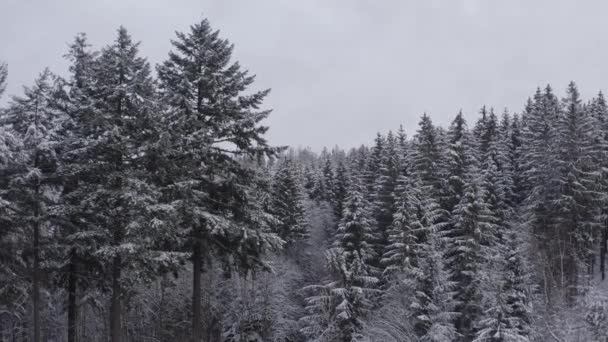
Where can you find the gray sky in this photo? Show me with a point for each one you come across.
(342, 70)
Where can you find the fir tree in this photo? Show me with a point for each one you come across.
(211, 123)
(508, 317)
(384, 190)
(473, 223)
(287, 204)
(574, 206)
(347, 298)
(3, 77)
(33, 188)
(341, 188)
(433, 306)
(426, 158)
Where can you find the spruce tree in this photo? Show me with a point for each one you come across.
(3, 77)
(508, 318)
(347, 298)
(341, 188)
(426, 157)
(473, 223)
(287, 204)
(599, 113)
(111, 105)
(384, 189)
(77, 240)
(433, 306)
(33, 188)
(575, 209)
(211, 122)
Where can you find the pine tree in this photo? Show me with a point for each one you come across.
(33, 189)
(576, 215)
(458, 159)
(211, 123)
(3, 77)
(599, 113)
(384, 189)
(347, 298)
(433, 306)
(473, 226)
(407, 235)
(515, 151)
(371, 170)
(539, 169)
(508, 317)
(111, 107)
(77, 241)
(287, 204)
(426, 158)
(341, 188)
(329, 182)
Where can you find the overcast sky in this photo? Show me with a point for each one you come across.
(342, 70)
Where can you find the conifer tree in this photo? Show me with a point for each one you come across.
(287, 204)
(77, 240)
(384, 189)
(329, 182)
(599, 113)
(211, 122)
(473, 224)
(407, 235)
(347, 297)
(433, 306)
(33, 189)
(576, 215)
(371, 170)
(3, 77)
(508, 317)
(341, 188)
(426, 158)
(458, 159)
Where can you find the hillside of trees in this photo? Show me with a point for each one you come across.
(144, 204)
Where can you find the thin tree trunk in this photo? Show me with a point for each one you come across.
(115, 308)
(604, 248)
(197, 332)
(36, 270)
(72, 309)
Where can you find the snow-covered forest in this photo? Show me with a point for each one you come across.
(143, 203)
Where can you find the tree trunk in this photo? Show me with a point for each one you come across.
(604, 248)
(72, 309)
(115, 307)
(197, 332)
(36, 271)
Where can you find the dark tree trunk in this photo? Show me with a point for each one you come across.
(603, 250)
(197, 332)
(36, 270)
(116, 309)
(72, 309)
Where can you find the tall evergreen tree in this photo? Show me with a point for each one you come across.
(33, 189)
(115, 128)
(508, 317)
(575, 210)
(287, 204)
(78, 240)
(341, 188)
(211, 122)
(348, 297)
(3, 77)
(473, 226)
(384, 189)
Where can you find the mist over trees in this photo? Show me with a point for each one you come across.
(143, 203)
